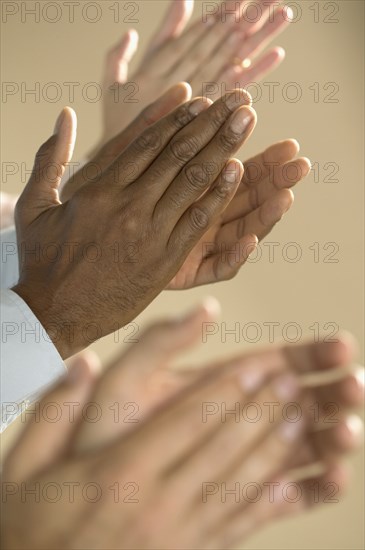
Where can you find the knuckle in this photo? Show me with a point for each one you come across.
(198, 218)
(181, 117)
(197, 176)
(223, 190)
(129, 218)
(184, 148)
(147, 117)
(221, 114)
(227, 141)
(150, 139)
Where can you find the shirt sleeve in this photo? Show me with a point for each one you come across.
(9, 267)
(30, 363)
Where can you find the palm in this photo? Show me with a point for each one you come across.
(254, 210)
(196, 268)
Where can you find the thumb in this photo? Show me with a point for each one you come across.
(41, 191)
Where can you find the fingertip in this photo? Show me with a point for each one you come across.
(293, 144)
(346, 347)
(65, 129)
(286, 197)
(211, 307)
(185, 90)
(83, 368)
(306, 161)
(133, 38)
(287, 13)
(280, 52)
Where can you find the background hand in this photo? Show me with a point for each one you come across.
(213, 51)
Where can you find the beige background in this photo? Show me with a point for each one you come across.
(305, 292)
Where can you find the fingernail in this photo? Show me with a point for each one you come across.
(240, 121)
(212, 306)
(232, 172)
(286, 386)
(236, 98)
(288, 13)
(360, 376)
(59, 122)
(199, 105)
(290, 431)
(355, 426)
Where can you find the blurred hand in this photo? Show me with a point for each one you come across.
(174, 461)
(213, 56)
(141, 217)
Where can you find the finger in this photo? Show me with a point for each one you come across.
(41, 191)
(258, 222)
(256, 70)
(225, 264)
(173, 98)
(173, 420)
(119, 57)
(175, 21)
(310, 359)
(198, 218)
(281, 177)
(328, 442)
(254, 470)
(216, 51)
(203, 76)
(218, 42)
(51, 422)
(322, 356)
(348, 391)
(141, 153)
(259, 40)
(244, 427)
(279, 497)
(164, 61)
(243, 74)
(259, 167)
(137, 375)
(186, 144)
(199, 174)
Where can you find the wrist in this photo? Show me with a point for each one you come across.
(60, 332)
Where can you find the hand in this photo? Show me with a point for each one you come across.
(151, 207)
(178, 479)
(141, 380)
(212, 55)
(261, 200)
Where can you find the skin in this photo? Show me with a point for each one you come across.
(209, 55)
(222, 451)
(161, 195)
(262, 198)
(174, 54)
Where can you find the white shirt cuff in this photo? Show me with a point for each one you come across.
(30, 363)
